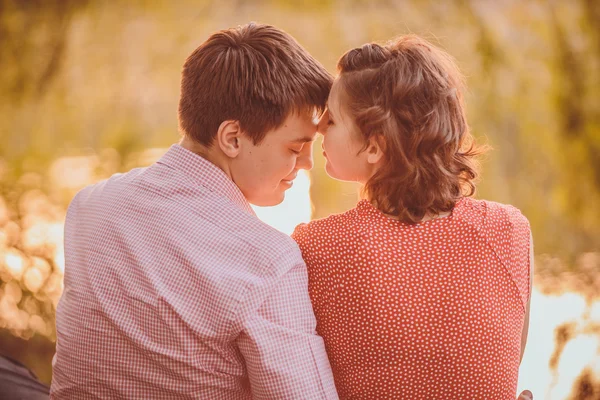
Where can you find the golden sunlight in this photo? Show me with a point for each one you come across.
(36, 275)
(74, 172)
(14, 263)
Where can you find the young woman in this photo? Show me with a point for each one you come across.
(421, 291)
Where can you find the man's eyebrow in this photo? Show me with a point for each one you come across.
(304, 139)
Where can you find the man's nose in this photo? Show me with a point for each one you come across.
(305, 161)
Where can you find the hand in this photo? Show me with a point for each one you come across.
(525, 395)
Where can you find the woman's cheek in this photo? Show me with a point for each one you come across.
(328, 139)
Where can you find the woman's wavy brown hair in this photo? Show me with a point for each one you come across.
(408, 96)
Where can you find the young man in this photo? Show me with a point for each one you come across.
(173, 287)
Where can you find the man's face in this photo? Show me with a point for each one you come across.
(265, 171)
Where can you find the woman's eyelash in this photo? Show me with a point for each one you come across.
(296, 151)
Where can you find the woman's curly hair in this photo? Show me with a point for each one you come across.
(408, 95)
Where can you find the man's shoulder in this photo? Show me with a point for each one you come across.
(179, 203)
(273, 245)
(112, 184)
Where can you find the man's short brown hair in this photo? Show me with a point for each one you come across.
(255, 74)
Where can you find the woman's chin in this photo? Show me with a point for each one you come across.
(348, 176)
(331, 172)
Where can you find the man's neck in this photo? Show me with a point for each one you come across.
(210, 154)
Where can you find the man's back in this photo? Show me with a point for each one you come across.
(173, 288)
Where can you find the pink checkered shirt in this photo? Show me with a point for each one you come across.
(174, 289)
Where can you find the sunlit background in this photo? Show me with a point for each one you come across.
(90, 88)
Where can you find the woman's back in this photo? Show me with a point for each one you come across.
(427, 311)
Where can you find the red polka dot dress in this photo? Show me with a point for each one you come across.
(427, 311)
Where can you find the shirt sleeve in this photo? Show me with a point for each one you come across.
(284, 356)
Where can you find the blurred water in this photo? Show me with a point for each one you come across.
(548, 312)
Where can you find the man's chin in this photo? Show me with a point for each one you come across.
(275, 199)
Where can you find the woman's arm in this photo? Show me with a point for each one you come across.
(526, 324)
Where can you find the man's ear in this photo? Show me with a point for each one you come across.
(374, 150)
(228, 138)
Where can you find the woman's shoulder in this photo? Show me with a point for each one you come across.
(491, 215)
(506, 231)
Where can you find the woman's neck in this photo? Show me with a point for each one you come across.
(426, 217)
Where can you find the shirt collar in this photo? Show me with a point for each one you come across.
(205, 173)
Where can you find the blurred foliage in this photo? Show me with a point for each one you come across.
(90, 88)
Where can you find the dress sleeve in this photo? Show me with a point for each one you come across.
(508, 233)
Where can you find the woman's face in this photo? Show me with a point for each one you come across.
(343, 144)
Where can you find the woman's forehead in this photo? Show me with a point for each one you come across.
(333, 102)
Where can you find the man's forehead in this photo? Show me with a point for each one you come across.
(307, 133)
(306, 127)
(299, 127)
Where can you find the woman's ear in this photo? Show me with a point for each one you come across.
(228, 138)
(374, 150)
